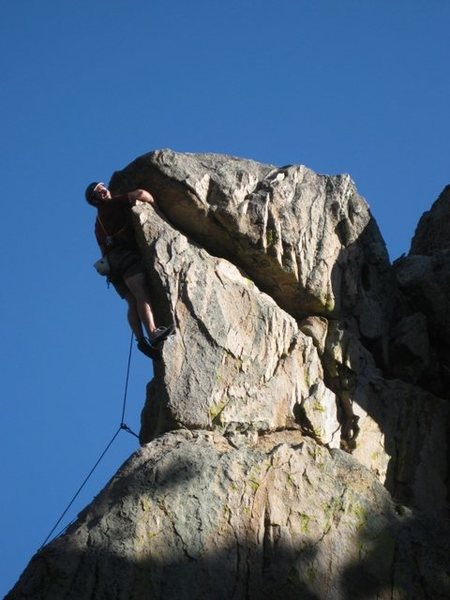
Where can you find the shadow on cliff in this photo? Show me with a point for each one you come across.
(406, 558)
(370, 306)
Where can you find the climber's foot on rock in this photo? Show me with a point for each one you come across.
(160, 334)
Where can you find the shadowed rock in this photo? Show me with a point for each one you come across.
(424, 278)
(197, 515)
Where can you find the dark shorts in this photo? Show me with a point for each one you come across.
(124, 262)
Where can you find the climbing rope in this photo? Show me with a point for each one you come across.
(127, 378)
(123, 426)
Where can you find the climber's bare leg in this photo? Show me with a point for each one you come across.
(142, 308)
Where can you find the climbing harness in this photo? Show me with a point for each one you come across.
(102, 265)
(123, 426)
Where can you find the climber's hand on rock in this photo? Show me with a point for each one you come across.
(142, 196)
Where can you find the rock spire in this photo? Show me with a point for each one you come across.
(294, 436)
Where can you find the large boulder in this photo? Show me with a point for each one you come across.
(199, 515)
(308, 240)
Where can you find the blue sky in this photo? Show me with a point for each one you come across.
(348, 86)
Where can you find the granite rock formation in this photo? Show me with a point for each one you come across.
(294, 436)
(424, 278)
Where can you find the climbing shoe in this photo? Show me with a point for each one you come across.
(149, 350)
(160, 334)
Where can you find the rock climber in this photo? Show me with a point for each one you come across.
(115, 236)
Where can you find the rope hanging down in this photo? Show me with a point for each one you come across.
(121, 426)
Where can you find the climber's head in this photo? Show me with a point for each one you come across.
(96, 192)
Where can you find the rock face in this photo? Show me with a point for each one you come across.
(295, 433)
(194, 515)
(424, 278)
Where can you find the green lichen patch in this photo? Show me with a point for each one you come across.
(304, 523)
(215, 411)
(272, 238)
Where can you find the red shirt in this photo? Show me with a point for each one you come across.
(113, 225)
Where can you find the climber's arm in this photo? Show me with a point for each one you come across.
(142, 196)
